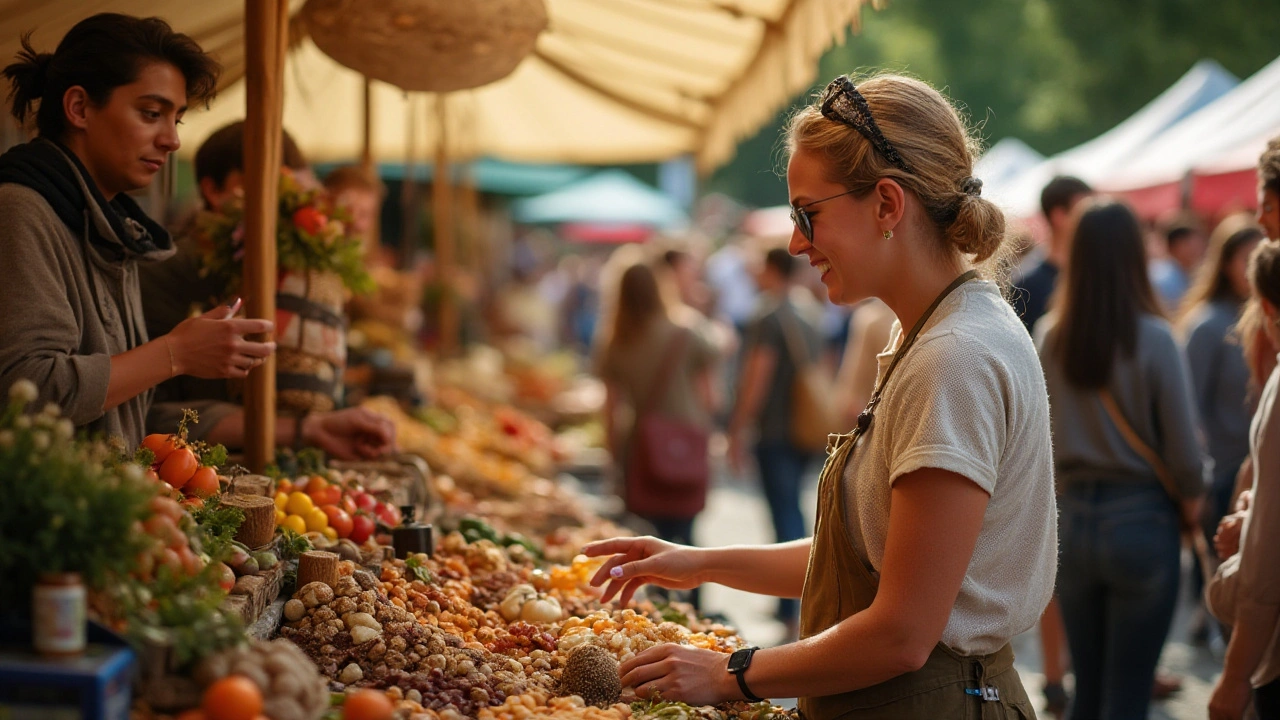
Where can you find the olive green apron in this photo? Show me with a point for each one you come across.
(838, 584)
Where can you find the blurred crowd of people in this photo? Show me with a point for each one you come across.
(1153, 377)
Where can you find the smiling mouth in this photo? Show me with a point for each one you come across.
(823, 267)
(153, 164)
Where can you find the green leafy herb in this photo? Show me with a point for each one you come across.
(415, 565)
(144, 457)
(294, 544)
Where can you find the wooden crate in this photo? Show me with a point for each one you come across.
(407, 482)
(249, 607)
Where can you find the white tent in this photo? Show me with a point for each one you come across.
(1097, 160)
(1223, 137)
(1000, 165)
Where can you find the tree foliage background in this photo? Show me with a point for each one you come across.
(1051, 72)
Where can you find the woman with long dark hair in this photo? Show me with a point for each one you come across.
(1120, 401)
(106, 104)
(1219, 373)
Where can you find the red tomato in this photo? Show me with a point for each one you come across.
(309, 220)
(178, 468)
(339, 520)
(348, 504)
(366, 502)
(193, 503)
(203, 483)
(191, 562)
(361, 528)
(315, 484)
(389, 514)
(284, 486)
(160, 445)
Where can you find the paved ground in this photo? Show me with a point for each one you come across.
(737, 513)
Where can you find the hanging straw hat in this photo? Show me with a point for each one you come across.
(427, 45)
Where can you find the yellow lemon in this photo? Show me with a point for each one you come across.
(282, 499)
(295, 523)
(316, 520)
(280, 516)
(299, 504)
(330, 533)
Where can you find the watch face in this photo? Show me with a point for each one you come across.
(740, 660)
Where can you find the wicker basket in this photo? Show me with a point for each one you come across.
(427, 45)
(311, 341)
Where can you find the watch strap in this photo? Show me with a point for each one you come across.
(741, 672)
(742, 685)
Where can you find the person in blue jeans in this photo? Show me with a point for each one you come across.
(769, 371)
(1106, 341)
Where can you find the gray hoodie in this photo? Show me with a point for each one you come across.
(65, 311)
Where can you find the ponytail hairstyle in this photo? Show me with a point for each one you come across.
(100, 54)
(890, 126)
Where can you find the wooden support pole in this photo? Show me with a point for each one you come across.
(442, 213)
(366, 145)
(265, 40)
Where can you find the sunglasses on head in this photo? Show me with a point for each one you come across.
(801, 217)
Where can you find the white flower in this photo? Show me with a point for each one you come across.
(24, 391)
(133, 472)
(52, 410)
(40, 439)
(6, 438)
(64, 429)
(23, 422)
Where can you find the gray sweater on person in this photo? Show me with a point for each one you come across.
(65, 310)
(1153, 391)
(1220, 379)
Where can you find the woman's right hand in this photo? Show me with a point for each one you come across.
(213, 345)
(644, 560)
(1226, 542)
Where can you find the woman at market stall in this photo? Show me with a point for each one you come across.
(935, 540)
(107, 104)
(1251, 670)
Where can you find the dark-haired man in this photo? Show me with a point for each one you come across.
(1171, 275)
(173, 289)
(1032, 291)
(765, 386)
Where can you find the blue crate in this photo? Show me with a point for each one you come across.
(94, 686)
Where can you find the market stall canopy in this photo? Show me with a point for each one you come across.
(488, 175)
(1211, 154)
(1097, 160)
(1003, 162)
(609, 82)
(609, 197)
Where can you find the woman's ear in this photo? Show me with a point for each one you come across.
(75, 105)
(891, 203)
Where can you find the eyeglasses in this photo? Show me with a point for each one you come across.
(800, 215)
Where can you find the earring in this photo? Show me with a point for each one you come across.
(888, 234)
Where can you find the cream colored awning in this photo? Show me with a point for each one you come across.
(611, 81)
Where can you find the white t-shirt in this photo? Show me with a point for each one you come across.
(970, 398)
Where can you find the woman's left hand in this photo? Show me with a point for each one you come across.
(1230, 698)
(680, 672)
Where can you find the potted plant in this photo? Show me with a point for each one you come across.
(70, 514)
(321, 262)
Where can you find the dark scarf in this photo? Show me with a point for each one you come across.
(42, 166)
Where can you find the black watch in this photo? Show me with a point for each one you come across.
(739, 661)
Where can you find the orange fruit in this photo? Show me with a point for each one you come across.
(234, 697)
(368, 705)
(203, 483)
(178, 468)
(160, 445)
